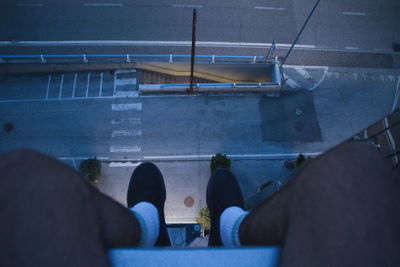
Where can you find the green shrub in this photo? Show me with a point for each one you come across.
(220, 161)
(90, 169)
(204, 219)
(301, 159)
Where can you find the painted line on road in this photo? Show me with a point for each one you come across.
(125, 71)
(74, 85)
(114, 164)
(125, 149)
(396, 96)
(187, 6)
(126, 94)
(352, 48)
(135, 121)
(126, 133)
(48, 87)
(101, 84)
(61, 86)
(124, 107)
(270, 8)
(29, 4)
(104, 4)
(87, 84)
(231, 156)
(127, 81)
(150, 43)
(353, 13)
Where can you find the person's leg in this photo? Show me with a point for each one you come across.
(342, 210)
(223, 192)
(147, 185)
(50, 216)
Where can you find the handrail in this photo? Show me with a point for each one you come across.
(130, 57)
(220, 85)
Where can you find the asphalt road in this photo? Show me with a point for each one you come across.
(346, 25)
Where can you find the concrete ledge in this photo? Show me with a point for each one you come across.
(196, 257)
(204, 88)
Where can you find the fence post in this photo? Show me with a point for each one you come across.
(213, 59)
(42, 59)
(85, 58)
(254, 59)
(127, 58)
(170, 58)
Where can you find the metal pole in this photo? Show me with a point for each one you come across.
(270, 49)
(193, 50)
(302, 28)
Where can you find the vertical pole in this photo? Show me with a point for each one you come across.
(300, 32)
(272, 48)
(193, 49)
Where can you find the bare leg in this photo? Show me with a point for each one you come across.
(51, 217)
(342, 210)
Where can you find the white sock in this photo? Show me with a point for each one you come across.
(147, 215)
(229, 223)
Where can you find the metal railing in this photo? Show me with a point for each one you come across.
(130, 58)
(198, 85)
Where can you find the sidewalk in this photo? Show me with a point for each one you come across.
(189, 179)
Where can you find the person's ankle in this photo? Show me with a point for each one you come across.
(148, 217)
(230, 221)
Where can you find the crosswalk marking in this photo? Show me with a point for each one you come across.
(126, 133)
(126, 81)
(123, 107)
(136, 121)
(125, 149)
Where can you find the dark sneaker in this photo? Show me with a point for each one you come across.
(223, 191)
(147, 184)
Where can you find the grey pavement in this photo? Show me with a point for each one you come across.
(72, 116)
(336, 24)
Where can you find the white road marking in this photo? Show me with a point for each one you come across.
(123, 107)
(125, 149)
(270, 8)
(87, 84)
(128, 81)
(321, 80)
(104, 4)
(382, 78)
(48, 87)
(383, 50)
(232, 156)
(391, 141)
(115, 82)
(74, 85)
(30, 5)
(124, 164)
(136, 121)
(125, 71)
(126, 94)
(187, 6)
(82, 158)
(303, 72)
(391, 78)
(101, 84)
(126, 133)
(353, 13)
(61, 86)
(396, 96)
(150, 43)
(355, 76)
(352, 48)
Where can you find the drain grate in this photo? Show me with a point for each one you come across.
(8, 127)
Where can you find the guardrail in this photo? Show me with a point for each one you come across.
(85, 58)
